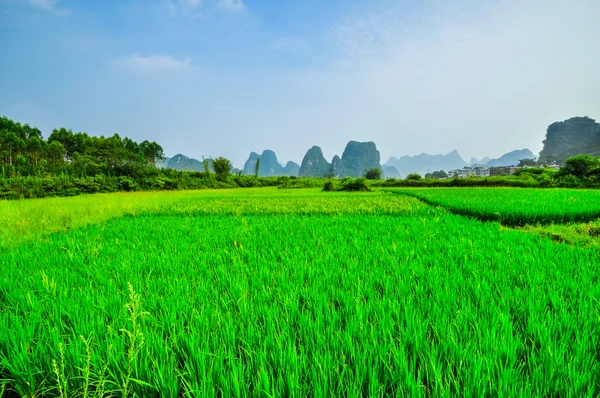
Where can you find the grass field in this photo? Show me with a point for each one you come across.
(513, 206)
(289, 293)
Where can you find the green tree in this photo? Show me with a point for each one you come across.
(414, 177)
(257, 167)
(222, 167)
(527, 162)
(330, 174)
(206, 165)
(56, 152)
(439, 174)
(11, 144)
(151, 151)
(373, 174)
(580, 166)
(34, 149)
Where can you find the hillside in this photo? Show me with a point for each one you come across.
(356, 159)
(574, 136)
(183, 163)
(269, 165)
(424, 163)
(511, 158)
(314, 164)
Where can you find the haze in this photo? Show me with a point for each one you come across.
(226, 77)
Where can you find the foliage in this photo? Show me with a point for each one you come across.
(436, 175)
(373, 174)
(354, 185)
(581, 166)
(414, 177)
(24, 152)
(527, 162)
(329, 187)
(294, 293)
(222, 168)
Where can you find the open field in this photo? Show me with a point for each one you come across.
(513, 206)
(270, 292)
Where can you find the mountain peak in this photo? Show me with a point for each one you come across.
(269, 165)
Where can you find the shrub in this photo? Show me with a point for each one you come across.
(373, 174)
(355, 185)
(328, 187)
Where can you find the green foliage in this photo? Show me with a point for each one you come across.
(257, 168)
(222, 168)
(354, 185)
(436, 175)
(414, 177)
(527, 162)
(373, 174)
(365, 295)
(24, 152)
(329, 187)
(580, 166)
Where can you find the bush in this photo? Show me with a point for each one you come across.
(283, 181)
(247, 181)
(127, 184)
(373, 174)
(328, 187)
(355, 185)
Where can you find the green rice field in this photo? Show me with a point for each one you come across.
(513, 206)
(299, 293)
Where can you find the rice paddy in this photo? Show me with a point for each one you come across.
(514, 206)
(274, 293)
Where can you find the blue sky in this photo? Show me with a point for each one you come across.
(226, 77)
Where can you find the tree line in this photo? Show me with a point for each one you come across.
(24, 152)
(69, 163)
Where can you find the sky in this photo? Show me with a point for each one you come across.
(227, 77)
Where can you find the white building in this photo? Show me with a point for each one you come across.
(469, 171)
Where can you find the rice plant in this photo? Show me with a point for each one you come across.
(285, 293)
(513, 206)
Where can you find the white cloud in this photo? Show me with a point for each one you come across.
(190, 3)
(49, 5)
(230, 5)
(186, 8)
(154, 62)
(483, 79)
(292, 45)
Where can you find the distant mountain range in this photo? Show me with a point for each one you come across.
(510, 159)
(474, 161)
(269, 166)
(183, 163)
(356, 159)
(424, 163)
(574, 136)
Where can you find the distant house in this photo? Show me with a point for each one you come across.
(492, 171)
(482, 171)
(469, 172)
